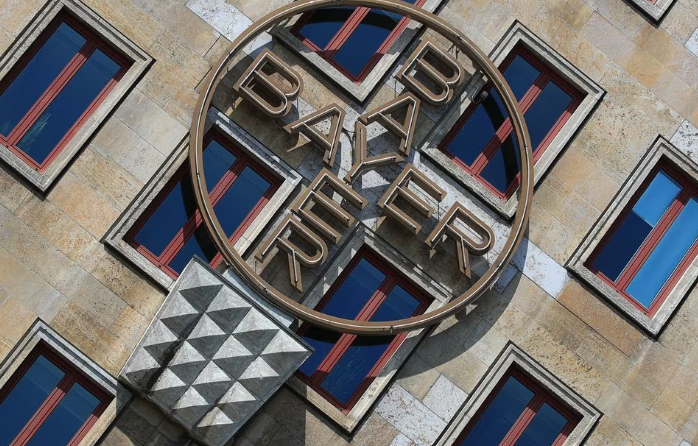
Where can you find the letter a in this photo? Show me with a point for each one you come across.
(261, 84)
(327, 142)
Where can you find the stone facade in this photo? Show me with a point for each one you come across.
(57, 266)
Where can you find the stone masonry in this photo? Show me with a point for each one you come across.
(55, 266)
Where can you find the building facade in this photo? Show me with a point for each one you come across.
(380, 146)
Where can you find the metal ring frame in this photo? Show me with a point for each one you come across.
(269, 292)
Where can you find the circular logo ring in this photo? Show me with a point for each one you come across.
(485, 282)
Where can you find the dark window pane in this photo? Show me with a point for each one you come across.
(324, 24)
(666, 256)
(504, 166)
(179, 205)
(355, 291)
(629, 236)
(37, 75)
(520, 75)
(26, 398)
(500, 416)
(199, 244)
(544, 428)
(67, 108)
(66, 419)
(478, 130)
(545, 112)
(365, 41)
(322, 341)
(622, 246)
(346, 376)
(240, 199)
(399, 304)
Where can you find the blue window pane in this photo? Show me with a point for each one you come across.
(355, 291)
(240, 199)
(365, 41)
(500, 416)
(478, 130)
(346, 376)
(504, 166)
(657, 198)
(544, 428)
(322, 341)
(199, 244)
(666, 256)
(622, 246)
(399, 304)
(520, 75)
(324, 24)
(66, 419)
(179, 205)
(630, 235)
(67, 108)
(26, 398)
(37, 75)
(545, 112)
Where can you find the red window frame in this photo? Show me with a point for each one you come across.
(541, 396)
(93, 43)
(72, 376)
(196, 221)
(547, 75)
(689, 190)
(392, 279)
(343, 34)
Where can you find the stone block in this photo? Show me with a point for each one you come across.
(635, 419)
(375, 431)
(417, 376)
(417, 422)
(444, 398)
(78, 200)
(600, 317)
(15, 320)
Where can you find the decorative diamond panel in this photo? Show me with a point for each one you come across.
(212, 356)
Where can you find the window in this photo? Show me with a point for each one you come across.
(519, 412)
(54, 89)
(654, 9)
(642, 253)
(171, 231)
(351, 39)
(482, 141)
(343, 365)
(48, 401)
(519, 403)
(58, 82)
(474, 142)
(653, 242)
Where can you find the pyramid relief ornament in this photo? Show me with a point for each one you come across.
(212, 356)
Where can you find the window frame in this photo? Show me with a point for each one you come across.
(362, 237)
(688, 190)
(661, 154)
(243, 160)
(72, 376)
(43, 175)
(655, 10)
(93, 43)
(371, 78)
(116, 238)
(548, 74)
(345, 31)
(513, 360)
(541, 396)
(393, 279)
(517, 36)
(40, 338)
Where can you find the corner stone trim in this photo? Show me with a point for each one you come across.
(212, 357)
